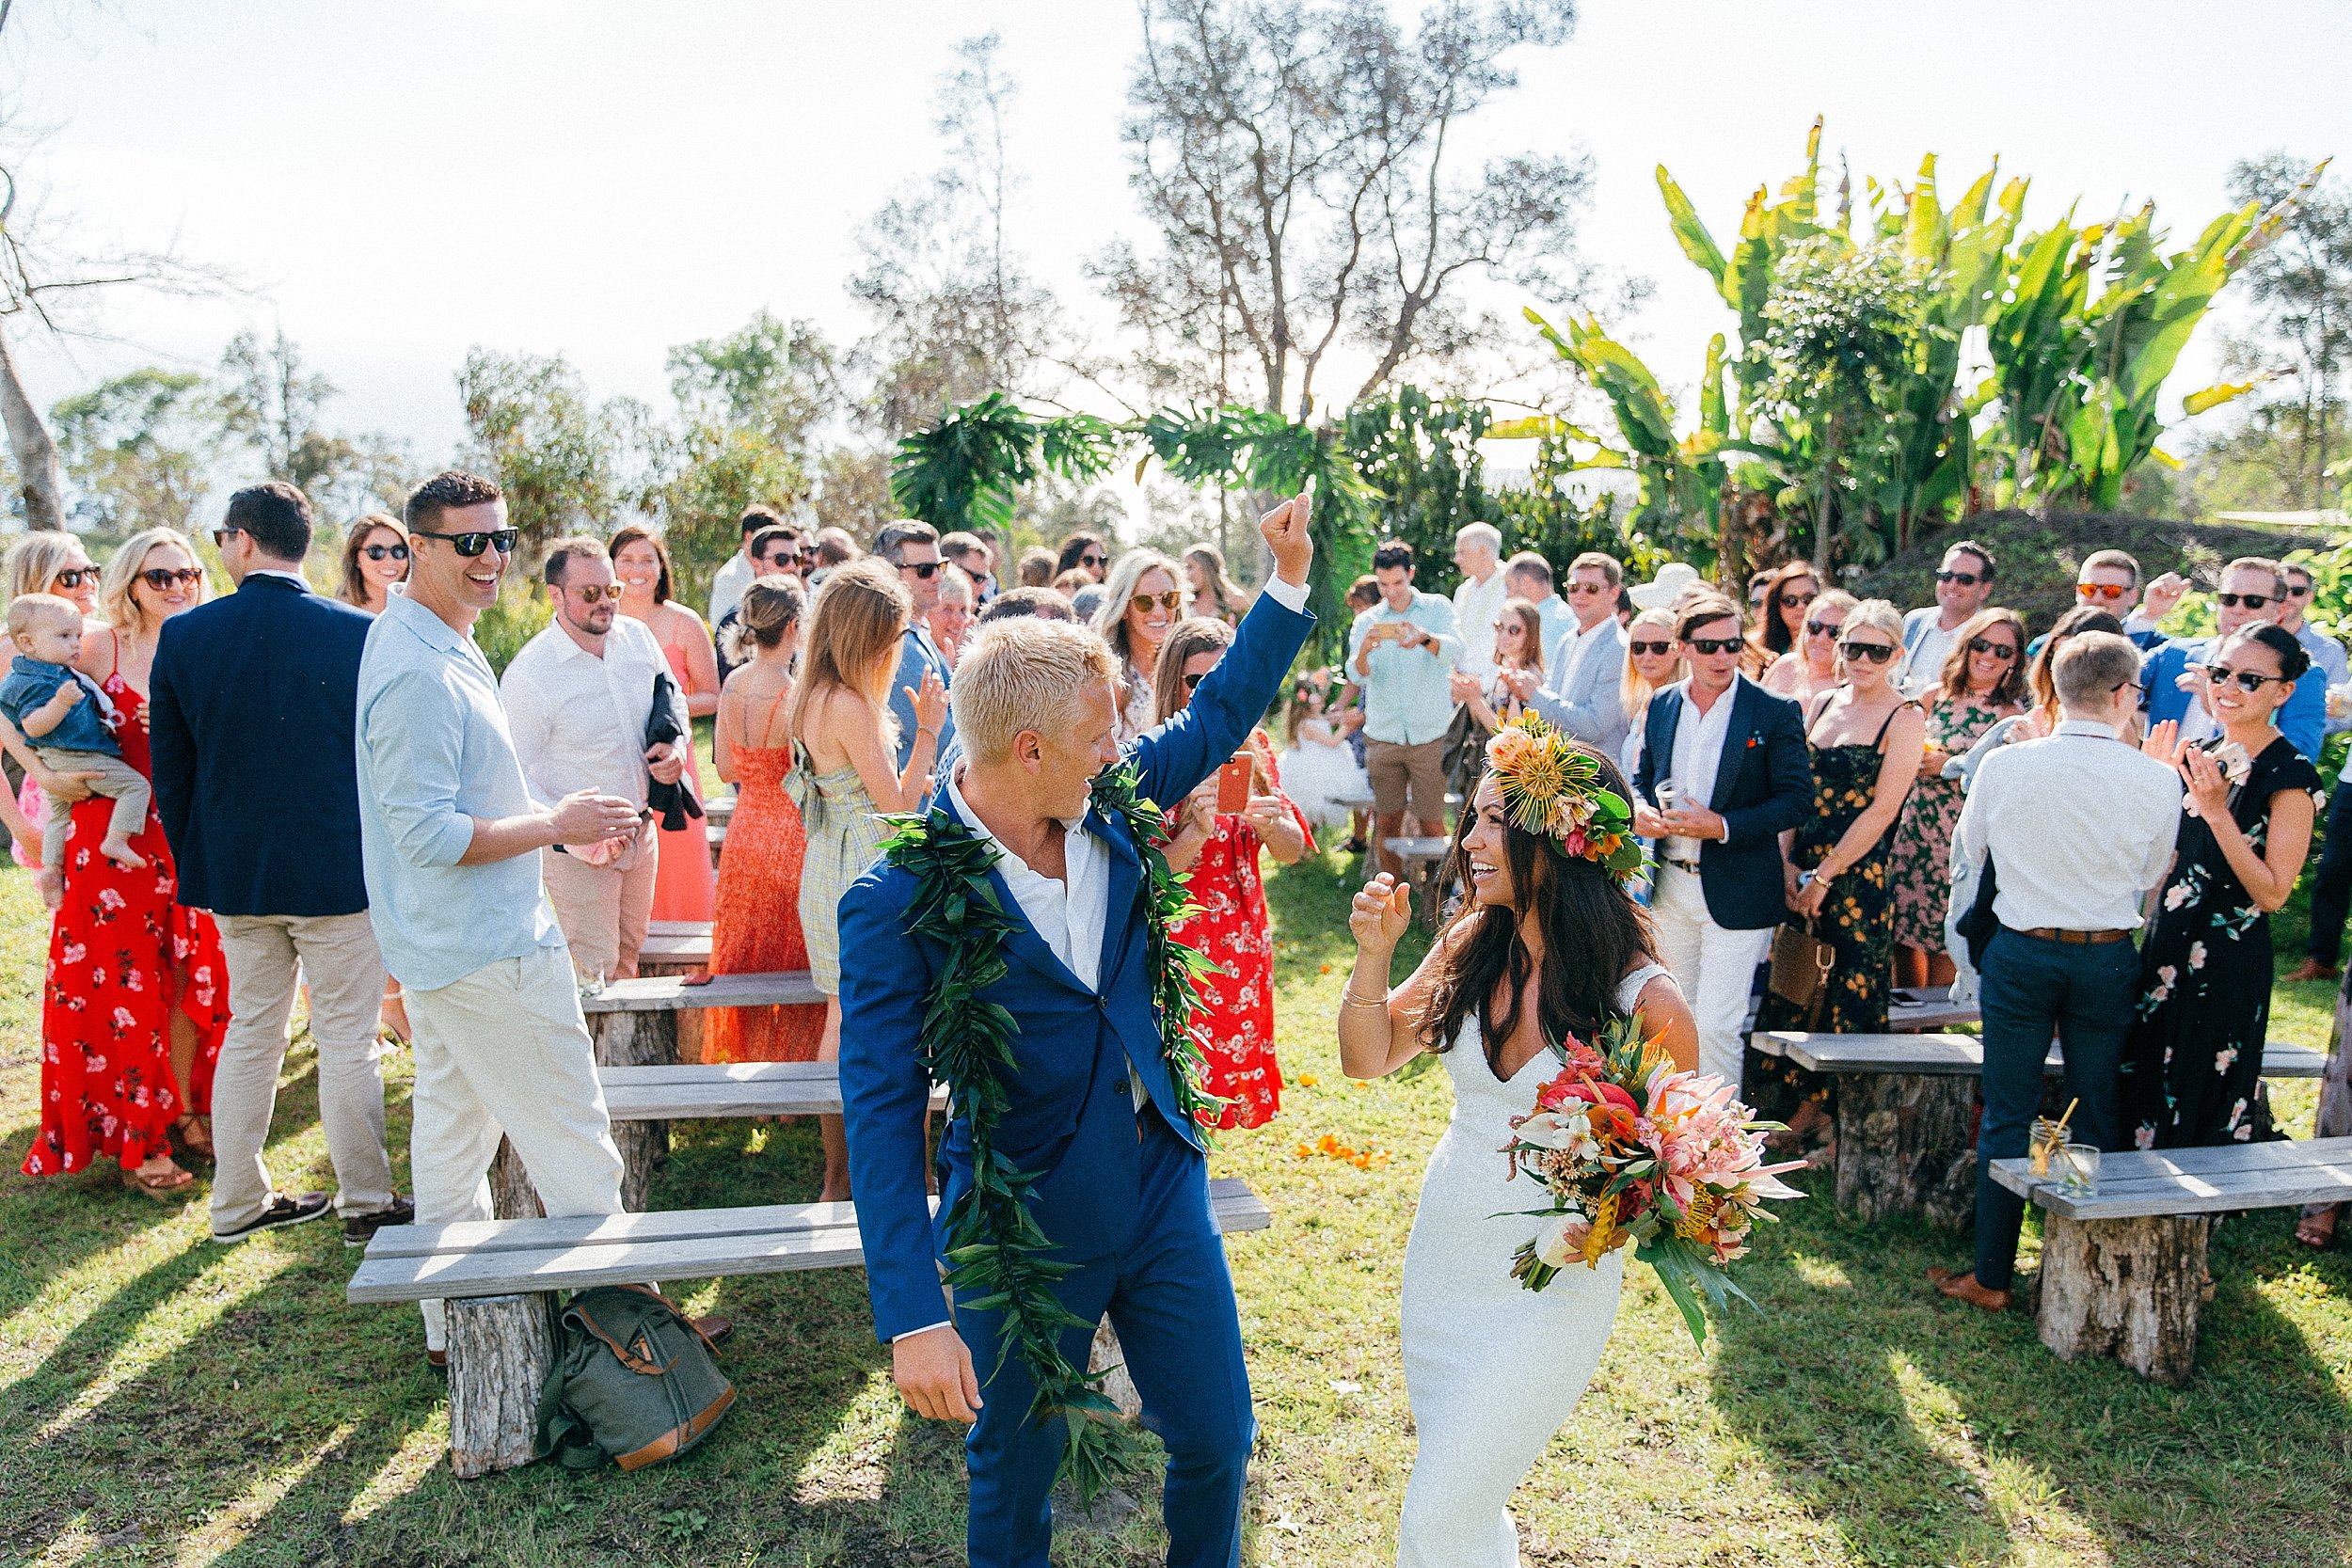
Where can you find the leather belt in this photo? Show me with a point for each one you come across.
(1692, 866)
(2094, 939)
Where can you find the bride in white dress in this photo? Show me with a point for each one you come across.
(1545, 945)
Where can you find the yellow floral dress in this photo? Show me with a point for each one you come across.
(1858, 919)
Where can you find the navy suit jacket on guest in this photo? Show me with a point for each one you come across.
(1072, 1118)
(252, 713)
(1763, 786)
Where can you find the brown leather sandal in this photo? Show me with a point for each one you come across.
(194, 1135)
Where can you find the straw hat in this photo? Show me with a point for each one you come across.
(1673, 579)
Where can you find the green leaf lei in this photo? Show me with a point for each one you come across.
(995, 1250)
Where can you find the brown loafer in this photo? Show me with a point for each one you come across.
(2312, 969)
(1962, 1286)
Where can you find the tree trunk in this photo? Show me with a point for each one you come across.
(28, 440)
(512, 1195)
(500, 1350)
(1904, 1146)
(637, 1039)
(2124, 1288)
(1117, 1387)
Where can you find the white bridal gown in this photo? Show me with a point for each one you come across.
(1492, 1369)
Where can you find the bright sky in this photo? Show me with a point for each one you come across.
(398, 180)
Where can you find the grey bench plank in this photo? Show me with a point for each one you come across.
(1961, 1055)
(678, 928)
(1419, 849)
(667, 993)
(675, 950)
(718, 1090)
(2196, 1181)
(502, 1256)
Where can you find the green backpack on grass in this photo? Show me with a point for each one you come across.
(633, 1381)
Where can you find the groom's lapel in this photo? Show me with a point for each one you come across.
(1118, 900)
(1024, 943)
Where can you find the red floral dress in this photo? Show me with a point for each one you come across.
(121, 955)
(1231, 930)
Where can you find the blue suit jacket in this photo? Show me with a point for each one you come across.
(1763, 786)
(252, 713)
(1071, 1119)
(2303, 718)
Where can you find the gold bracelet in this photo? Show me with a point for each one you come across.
(1350, 996)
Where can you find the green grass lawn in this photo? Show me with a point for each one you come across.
(168, 1402)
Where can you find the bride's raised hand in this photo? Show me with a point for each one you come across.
(1381, 909)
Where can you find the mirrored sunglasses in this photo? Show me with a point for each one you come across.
(380, 552)
(73, 577)
(471, 544)
(2111, 592)
(1141, 603)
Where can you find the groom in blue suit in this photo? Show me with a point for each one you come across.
(1123, 1188)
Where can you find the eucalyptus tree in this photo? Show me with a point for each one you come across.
(2302, 288)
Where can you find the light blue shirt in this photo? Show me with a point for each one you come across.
(1558, 619)
(1409, 698)
(916, 654)
(433, 753)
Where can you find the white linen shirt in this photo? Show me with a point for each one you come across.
(1476, 606)
(2079, 827)
(727, 585)
(1698, 752)
(1067, 915)
(579, 720)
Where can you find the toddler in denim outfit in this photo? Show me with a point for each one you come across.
(70, 724)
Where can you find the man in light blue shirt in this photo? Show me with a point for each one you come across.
(1403, 652)
(449, 843)
(1529, 576)
(913, 548)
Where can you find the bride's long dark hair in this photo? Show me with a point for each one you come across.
(1594, 934)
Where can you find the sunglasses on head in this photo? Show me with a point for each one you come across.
(2111, 592)
(1822, 628)
(73, 577)
(1651, 650)
(2001, 651)
(162, 577)
(471, 544)
(1877, 653)
(2252, 601)
(379, 553)
(1966, 579)
(2247, 680)
(596, 591)
(1797, 601)
(1142, 603)
(1716, 644)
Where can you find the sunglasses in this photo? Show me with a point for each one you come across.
(597, 593)
(923, 569)
(2302, 593)
(162, 577)
(1192, 682)
(1092, 560)
(1651, 650)
(471, 544)
(1583, 588)
(1822, 628)
(1966, 579)
(1716, 645)
(2111, 592)
(2001, 651)
(73, 577)
(379, 553)
(2247, 680)
(2252, 601)
(1141, 603)
(1876, 652)
(1797, 601)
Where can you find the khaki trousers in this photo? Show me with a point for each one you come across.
(268, 955)
(505, 1051)
(603, 912)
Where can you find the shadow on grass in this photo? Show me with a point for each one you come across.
(1865, 1391)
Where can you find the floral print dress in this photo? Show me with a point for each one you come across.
(2194, 1059)
(1920, 861)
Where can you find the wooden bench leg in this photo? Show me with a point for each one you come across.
(1903, 1146)
(637, 1039)
(2124, 1288)
(501, 1348)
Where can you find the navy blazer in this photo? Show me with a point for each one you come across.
(1763, 787)
(1071, 1117)
(2302, 718)
(252, 713)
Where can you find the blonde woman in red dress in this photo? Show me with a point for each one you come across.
(137, 995)
(757, 929)
(1218, 851)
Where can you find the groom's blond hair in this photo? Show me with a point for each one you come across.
(1024, 673)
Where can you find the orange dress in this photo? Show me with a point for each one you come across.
(757, 927)
(683, 881)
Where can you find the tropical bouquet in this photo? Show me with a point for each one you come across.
(1633, 1150)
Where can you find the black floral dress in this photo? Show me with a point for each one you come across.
(1857, 920)
(2193, 1063)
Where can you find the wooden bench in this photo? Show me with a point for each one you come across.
(1424, 860)
(1909, 1010)
(663, 953)
(694, 1091)
(499, 1278)
(2123, 1270)
(1906, 1114)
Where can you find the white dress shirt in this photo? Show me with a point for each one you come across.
(1573, 648)
(727, 585)
(1066, 914)
(2079, 827)
(1698, 752)
(578, 719)
(1476, 605)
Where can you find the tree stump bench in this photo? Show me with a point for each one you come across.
(1906, 1114)
(499, 1279)
(2123, 1270)
(1424, 860)
(683, 951)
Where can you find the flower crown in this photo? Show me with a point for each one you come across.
(1552, 788)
